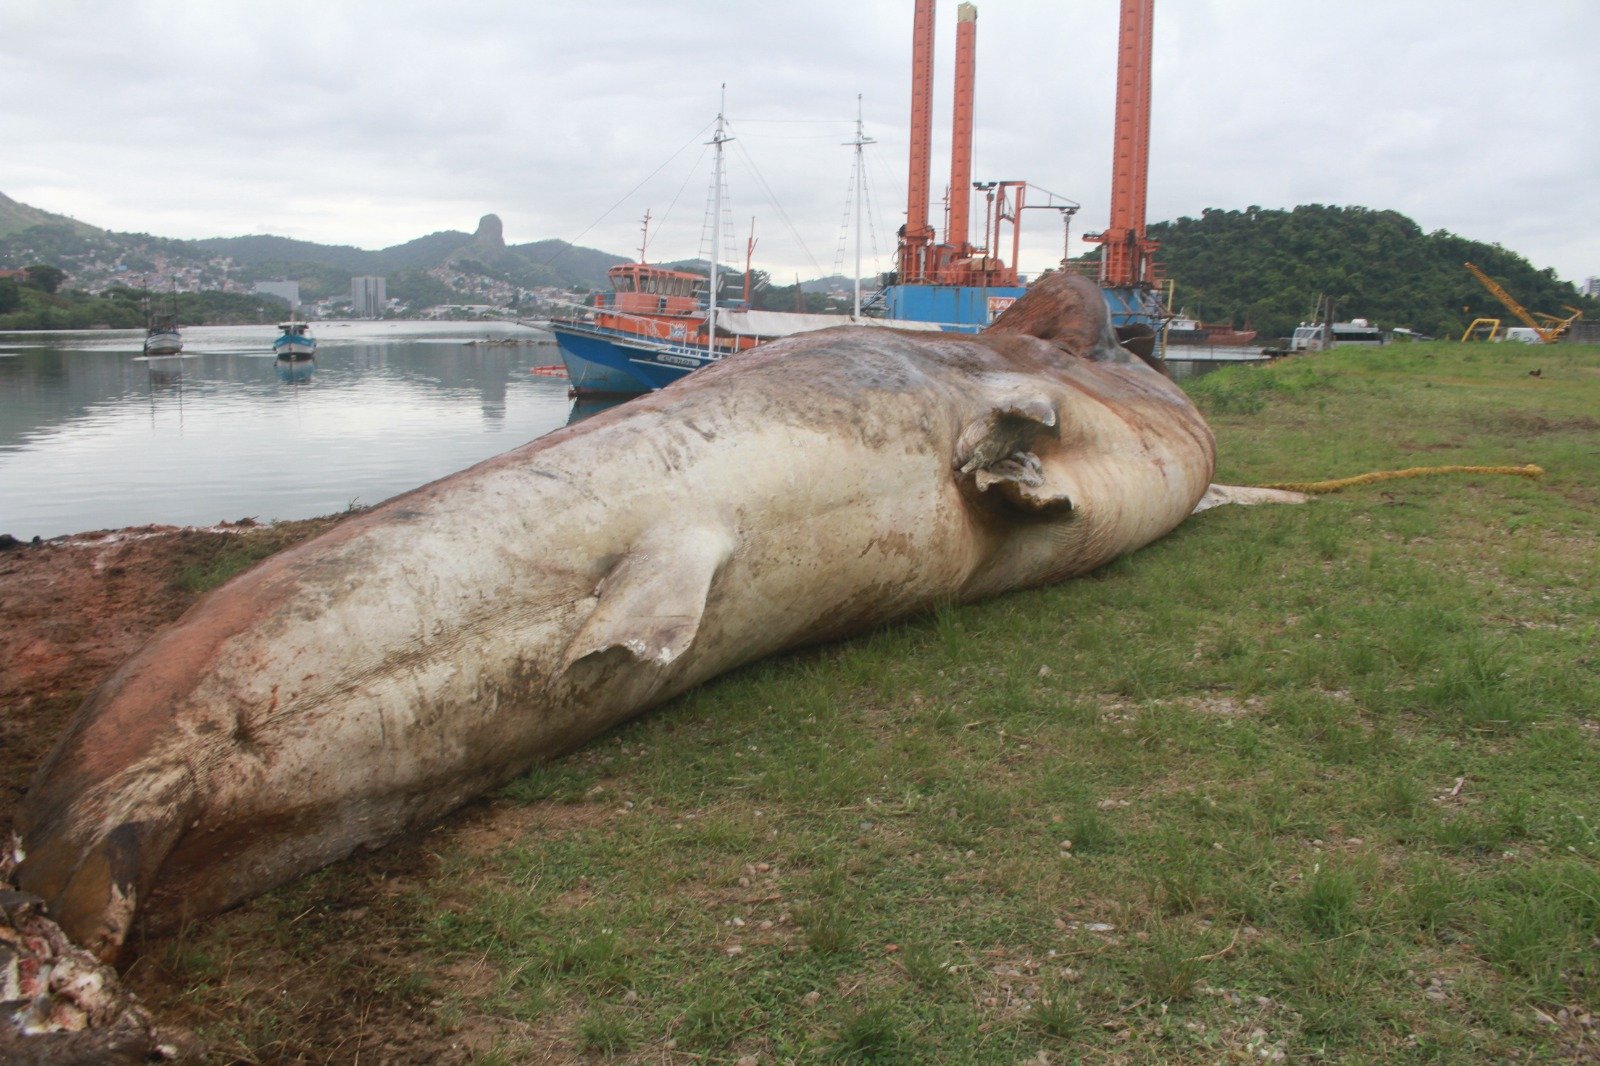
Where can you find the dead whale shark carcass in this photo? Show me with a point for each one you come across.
(370, 680)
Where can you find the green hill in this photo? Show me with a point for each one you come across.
(16, 217)
(96, 257)
(1267, 267)
(1260, 267)
(260, 249)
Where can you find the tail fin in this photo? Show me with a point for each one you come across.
(93, 867)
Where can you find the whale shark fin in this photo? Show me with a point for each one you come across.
(652, 601)
(1140, 339)
(997, 453)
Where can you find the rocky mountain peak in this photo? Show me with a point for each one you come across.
(490, 234)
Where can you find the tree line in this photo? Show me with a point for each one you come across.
(40, 306)
(1265, 269)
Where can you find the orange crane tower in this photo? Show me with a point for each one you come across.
(918, 235)
(955, 234)
(1126, 261)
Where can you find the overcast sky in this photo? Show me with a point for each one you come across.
(372, 123)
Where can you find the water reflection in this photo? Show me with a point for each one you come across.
(584, 406)
(93, 435)
(165, 372)
(295, 371)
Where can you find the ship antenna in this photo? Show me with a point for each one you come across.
(718, 139)
(861, 140)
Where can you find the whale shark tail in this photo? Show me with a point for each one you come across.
(94, 860)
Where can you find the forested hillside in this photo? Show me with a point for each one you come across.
(1267, 267)
(16, 217)
(441, 267)
(1260, 267)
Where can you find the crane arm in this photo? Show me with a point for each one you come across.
(1545, 334)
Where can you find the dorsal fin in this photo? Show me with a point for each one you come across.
(1067, 310)
(652, 601)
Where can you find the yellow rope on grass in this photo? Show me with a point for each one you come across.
(1316, 488)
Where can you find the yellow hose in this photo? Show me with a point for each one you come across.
(1316, 488)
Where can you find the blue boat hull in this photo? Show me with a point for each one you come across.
(604, 362)
(294, 347)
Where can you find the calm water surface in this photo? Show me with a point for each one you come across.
(93, 435)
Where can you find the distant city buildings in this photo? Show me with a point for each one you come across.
(368, 297)
(283, 290)
(1590, 287)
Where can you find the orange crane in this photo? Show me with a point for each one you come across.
(1127, 261)
(955, 260)
(1552, 328)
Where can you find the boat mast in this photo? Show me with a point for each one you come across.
(644, 237)
(717, 139)
(749, 255)
(861, 176)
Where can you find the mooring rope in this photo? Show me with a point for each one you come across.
(1316, 488)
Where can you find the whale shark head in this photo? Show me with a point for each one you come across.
(1079, 445)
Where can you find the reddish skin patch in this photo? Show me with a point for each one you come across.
(75, 610)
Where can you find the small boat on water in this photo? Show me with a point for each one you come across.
(295, 342)
(1225, 336)
(161, 336)
(1184, 329)
(163, 341)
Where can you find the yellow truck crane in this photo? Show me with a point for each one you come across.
(1549, 331)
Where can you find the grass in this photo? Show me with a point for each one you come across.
(1317, 782)
(210, 559)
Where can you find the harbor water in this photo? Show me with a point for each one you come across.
(93, 435)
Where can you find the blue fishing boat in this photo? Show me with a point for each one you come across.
(295, 342)
(657, 324)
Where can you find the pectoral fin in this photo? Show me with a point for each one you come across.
(652, 601)
(999, 453)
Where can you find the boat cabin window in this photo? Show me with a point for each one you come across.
(652, 282)
(668, 285)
